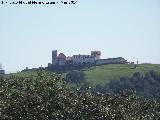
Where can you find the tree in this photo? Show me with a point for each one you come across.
(76, 77)
(46, 97)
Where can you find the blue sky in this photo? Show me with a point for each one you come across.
(126, 28)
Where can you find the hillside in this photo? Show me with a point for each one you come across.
(105, 73)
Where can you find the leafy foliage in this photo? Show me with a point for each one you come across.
(75, 77)
(147, 85)
(46, 97)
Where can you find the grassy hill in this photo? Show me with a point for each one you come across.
(105, 73)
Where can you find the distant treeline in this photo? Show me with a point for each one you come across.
(147, 85)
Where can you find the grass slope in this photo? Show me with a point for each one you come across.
(105, 73)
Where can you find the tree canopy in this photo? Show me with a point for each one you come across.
(46, 97)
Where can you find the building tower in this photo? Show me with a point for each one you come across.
(96, 54)
(54, 57)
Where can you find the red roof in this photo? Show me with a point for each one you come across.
(61, 55)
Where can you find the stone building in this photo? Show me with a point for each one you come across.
(58, 60)
(2, 72)
(76, 60)
(54, 57)
(96, 54)
(83, 59)
(118, 60)
(61, 60)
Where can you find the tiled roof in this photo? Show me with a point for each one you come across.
(61, 55)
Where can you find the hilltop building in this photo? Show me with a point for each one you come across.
(96, 54)
(58, 60)
(62, 60)
(79, 60)
(2, 72)
(118, 60)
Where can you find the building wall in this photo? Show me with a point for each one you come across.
(96, 54)
(54, 57)
(2, 72)
(111, 61)
(83, 59)
(61, 62)
(94, 58)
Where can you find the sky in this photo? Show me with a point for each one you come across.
(118, 28)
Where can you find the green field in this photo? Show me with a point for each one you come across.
(105, 73)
